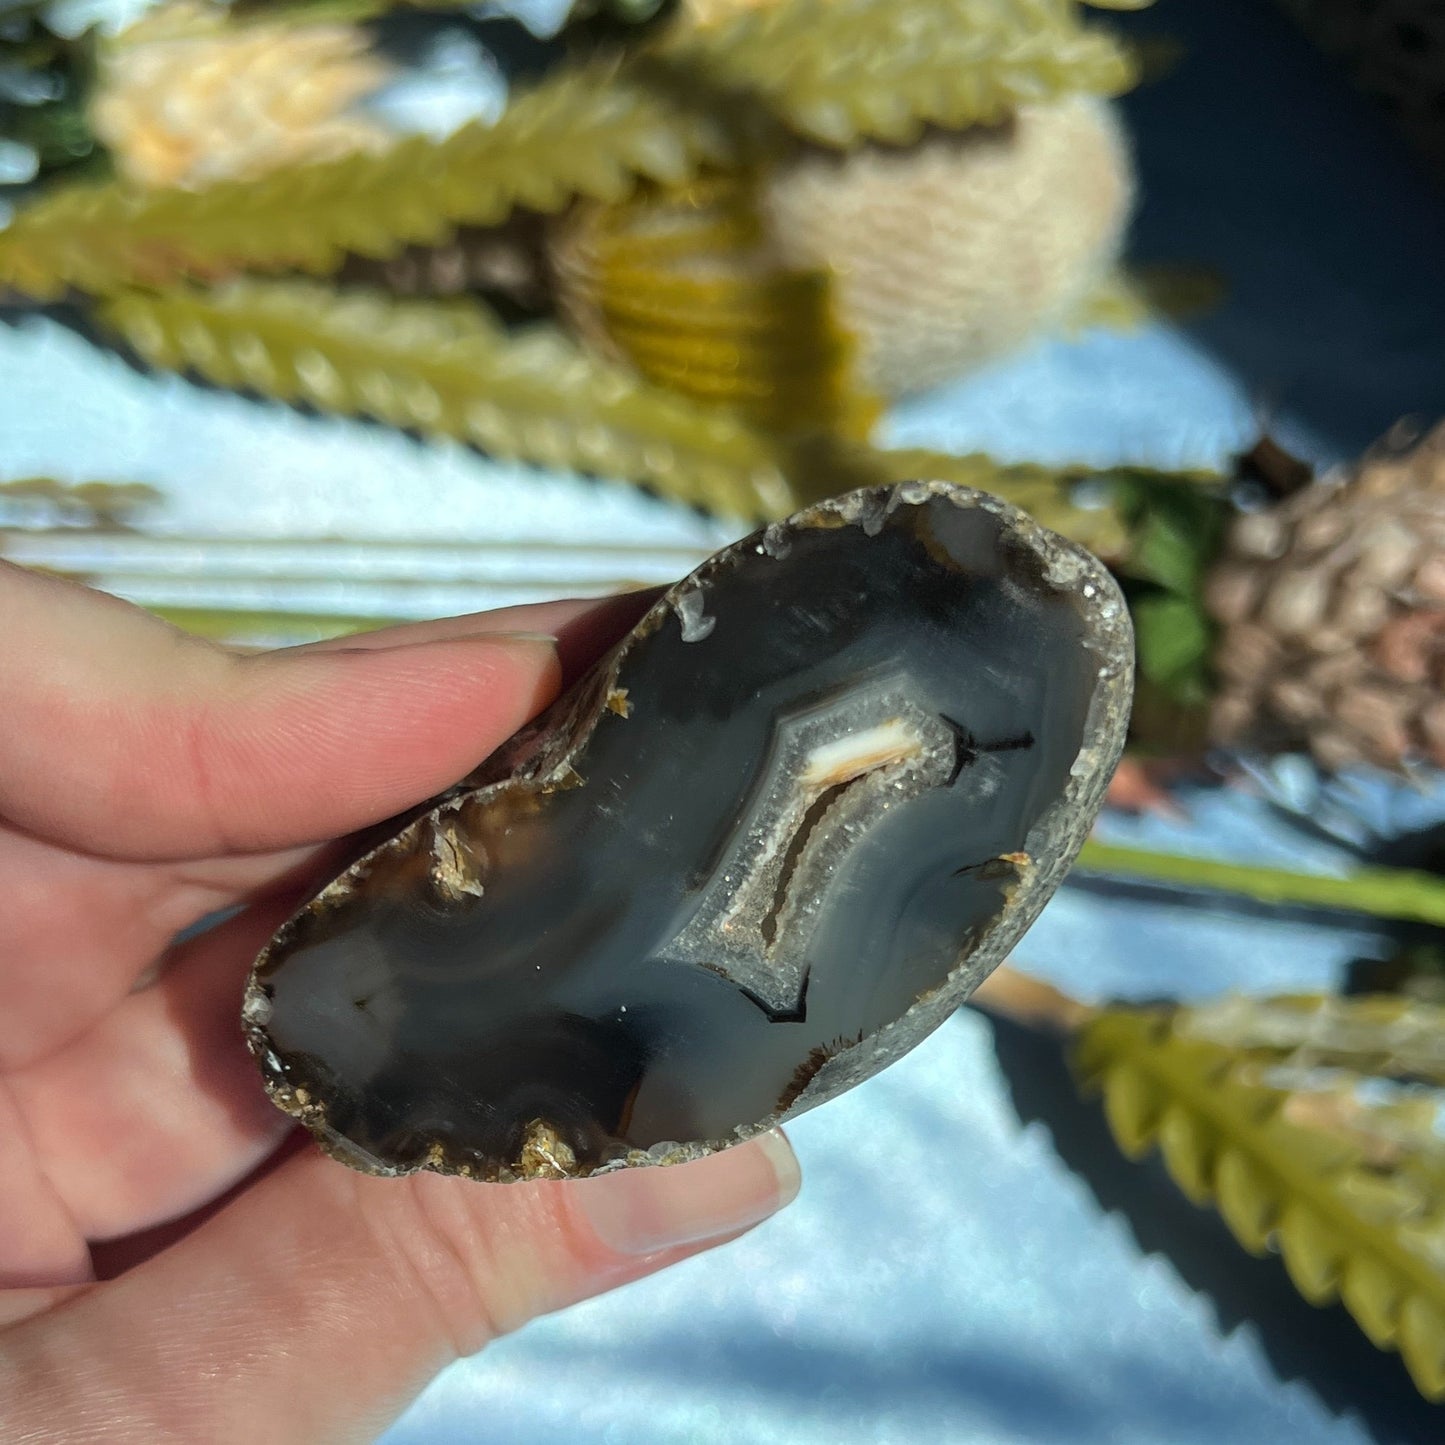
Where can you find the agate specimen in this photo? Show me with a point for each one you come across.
(759, 852)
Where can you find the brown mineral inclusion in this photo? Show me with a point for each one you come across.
(760, 851)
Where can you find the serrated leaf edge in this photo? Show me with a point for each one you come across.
(1329, 1250)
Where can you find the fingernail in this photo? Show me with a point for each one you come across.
(643, 1211)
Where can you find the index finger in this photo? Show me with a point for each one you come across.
(125, 738)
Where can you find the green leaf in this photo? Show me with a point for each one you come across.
(589, 131)
(842, 71)
(1382, 892)
(1384, 1035)
(1175, 640)
(450, 369)
(1354, 1202)
(1166, 552)
(1175, 526)
(834, 71)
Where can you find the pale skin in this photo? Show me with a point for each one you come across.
(175, 1264)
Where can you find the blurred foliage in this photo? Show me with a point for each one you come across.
(45, 80)
(835, 71)
(1382, 892)
(682, 287)
(746, 402)
(1382, 1035)
(246, 629)
(1175, 528)
(1414, 970)
(1350, 1191)
(103, 506)
(452, 370)
(1136, 294)
(838, 71)
(627, 12)
(589, 130)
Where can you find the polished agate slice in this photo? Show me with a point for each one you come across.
(759, 852)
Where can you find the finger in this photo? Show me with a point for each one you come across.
(159, 1107)
(583, 629)
(39, 1242)
(77, 932)
(21, 1304)
(167, 1075)
(125, 738)
(245, 1320)
(110, 1258)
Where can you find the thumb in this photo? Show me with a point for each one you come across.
(320, 1302)
(124, 737)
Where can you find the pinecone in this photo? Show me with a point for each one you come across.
(186, 98)
(1332, 607)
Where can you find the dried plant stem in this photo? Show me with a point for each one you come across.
(1030, 1001)
(1381, 892)
(223, 624)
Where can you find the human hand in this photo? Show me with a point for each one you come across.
(174, 1265)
